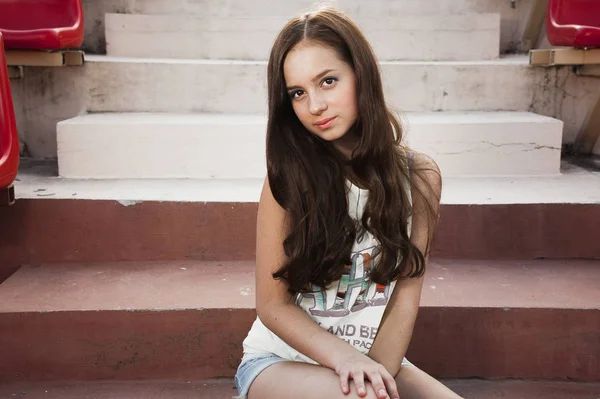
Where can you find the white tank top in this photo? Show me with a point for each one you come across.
(350, 308)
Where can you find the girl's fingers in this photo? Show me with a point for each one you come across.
(391, 386)
(359, 382)
(378, 385)
(344, 376)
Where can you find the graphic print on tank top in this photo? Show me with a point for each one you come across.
(354, 290)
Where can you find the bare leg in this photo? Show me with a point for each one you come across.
(414, 383)
(295, 380)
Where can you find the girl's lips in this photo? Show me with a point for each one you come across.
(325, 123)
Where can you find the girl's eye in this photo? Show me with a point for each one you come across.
(296, 94)
(329, 81)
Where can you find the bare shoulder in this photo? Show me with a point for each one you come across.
(267, 200)
(426, 176)
(424, 161)
(266, 195)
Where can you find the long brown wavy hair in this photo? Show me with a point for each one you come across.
(307, 174)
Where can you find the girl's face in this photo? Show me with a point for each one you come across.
(322, 90)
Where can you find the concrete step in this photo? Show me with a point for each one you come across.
(354, 8)
(215, 86)
(431, 37)
(224, 389)
(208, 146)
(166, 219)
(513, 16)
(513, 19)
(185, 320)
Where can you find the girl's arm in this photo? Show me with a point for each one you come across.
(393, 337)
(277, 310)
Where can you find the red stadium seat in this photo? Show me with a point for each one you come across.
(9, 140)
(41, 24)
(573, 23)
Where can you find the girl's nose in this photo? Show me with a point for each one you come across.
(317, 105)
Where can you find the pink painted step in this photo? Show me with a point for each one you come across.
(108, 230)
(224, 389)
(186, 320)
(215, 220)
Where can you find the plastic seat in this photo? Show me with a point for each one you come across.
(9, 140)
(573, 23)
(41, 24)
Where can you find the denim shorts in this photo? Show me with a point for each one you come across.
(252, 365)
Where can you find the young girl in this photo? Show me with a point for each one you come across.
(344, 224)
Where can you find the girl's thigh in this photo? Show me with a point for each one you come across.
(295, 380)
(414, 383)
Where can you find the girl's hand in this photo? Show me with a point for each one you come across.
(360, 367)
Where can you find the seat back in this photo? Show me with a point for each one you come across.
(576, 12)
(9, 139)
(573, 23)
(37, 14)
(42, 24)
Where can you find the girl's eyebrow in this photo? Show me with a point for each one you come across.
(319, 76)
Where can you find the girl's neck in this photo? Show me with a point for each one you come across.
(347, 144)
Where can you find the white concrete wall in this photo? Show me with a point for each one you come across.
(566, 96)
(17, 93)
(45, 97)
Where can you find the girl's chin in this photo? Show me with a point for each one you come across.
(332, 134)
